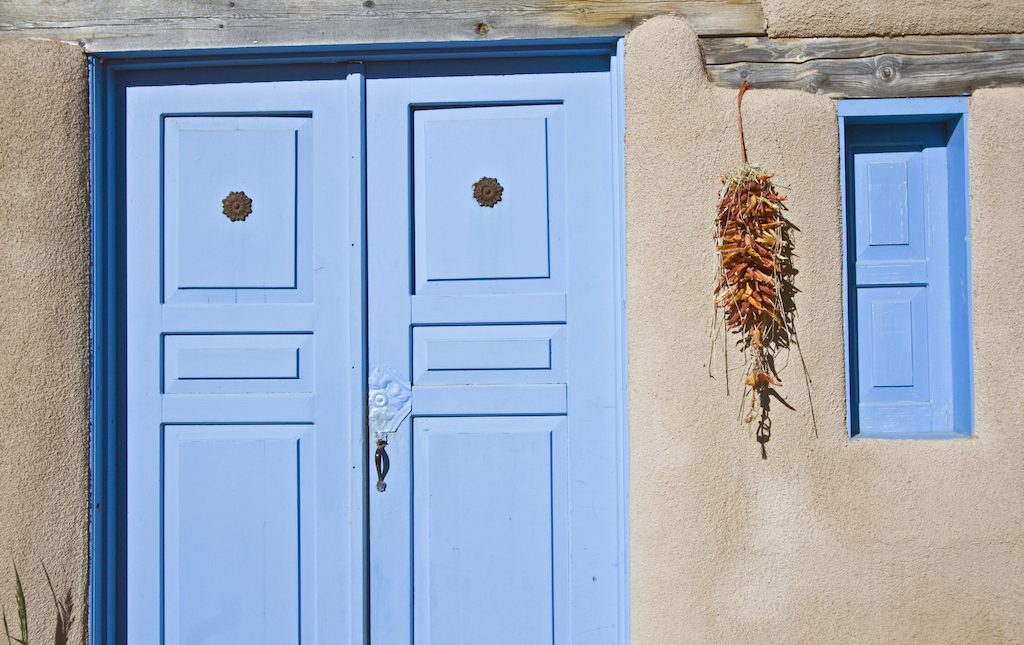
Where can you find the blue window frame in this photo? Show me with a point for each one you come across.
(906, 248)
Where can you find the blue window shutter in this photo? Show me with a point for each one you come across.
(906, 245)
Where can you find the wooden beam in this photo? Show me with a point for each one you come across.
(721, 51)
(118, 25)
(868, 67)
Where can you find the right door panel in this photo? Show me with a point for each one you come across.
(492, 248)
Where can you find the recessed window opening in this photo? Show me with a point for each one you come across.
(907, 268)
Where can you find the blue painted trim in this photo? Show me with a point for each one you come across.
(912, 436)
(105, 332)
(848, 348)
(366, 53)
(110, 73)
(887, 109)
(618, 78)
(97, 558)
(960, 132)
(953, 112)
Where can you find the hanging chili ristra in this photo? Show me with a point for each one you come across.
(754, 289)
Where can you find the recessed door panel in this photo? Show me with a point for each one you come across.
(238, 209)
(893, 214)
(492, 354)
(236, 544)
(894, 388)
(489, 178)
(493, 537)
(239, 363)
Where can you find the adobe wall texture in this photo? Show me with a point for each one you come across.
(891, 17)
(44, 328)
(829, 540)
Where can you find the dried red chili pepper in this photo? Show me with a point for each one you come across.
(755, 287)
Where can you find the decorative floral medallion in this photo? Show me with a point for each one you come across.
(237, 206)
(389, 401)
(487, 191)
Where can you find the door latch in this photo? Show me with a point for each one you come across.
(382, 463)
(389, 402)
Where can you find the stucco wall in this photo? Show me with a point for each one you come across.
(829, 540)
(44, 328)
(892, 17)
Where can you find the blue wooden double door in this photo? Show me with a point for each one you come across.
(373, 361)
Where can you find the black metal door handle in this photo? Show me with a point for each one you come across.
(383, 464)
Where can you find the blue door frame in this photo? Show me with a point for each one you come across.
(109, 76)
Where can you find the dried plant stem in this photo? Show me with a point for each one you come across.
(807, 383)
(744, 86)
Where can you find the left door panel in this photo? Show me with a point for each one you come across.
(245, 479)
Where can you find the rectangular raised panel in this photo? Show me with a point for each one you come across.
(479, 354)
(890, 209)
(256, 157)
(461, 243)
(892, 349)
(893, 343)
(488, 354)
(211, 258)
(888, 203)
(491, 529)
(894, 391)
(238, 363)
(233, 523)
(273, 363)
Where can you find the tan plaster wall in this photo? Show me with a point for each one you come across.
(792, 18)
(44, 327)
(828, 540)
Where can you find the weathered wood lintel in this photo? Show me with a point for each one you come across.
(119, 25)
(868, 67)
